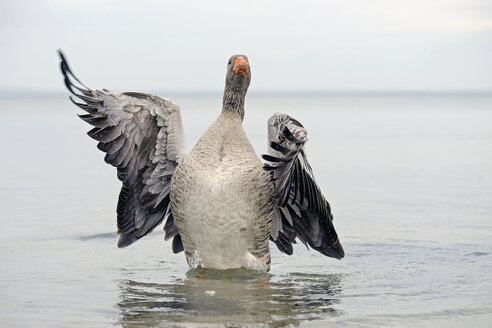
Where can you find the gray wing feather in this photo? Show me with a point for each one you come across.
(301, 210)
(142, 136)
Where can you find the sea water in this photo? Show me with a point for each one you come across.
(408, 177)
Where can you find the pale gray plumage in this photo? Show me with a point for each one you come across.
(222, 205)
(221, 196)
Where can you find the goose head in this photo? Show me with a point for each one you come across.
(238, 74)
(237, 81)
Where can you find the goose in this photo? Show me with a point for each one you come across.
(221, 205)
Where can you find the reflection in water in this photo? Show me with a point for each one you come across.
(233, 297)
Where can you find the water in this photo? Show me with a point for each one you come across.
(409, 179)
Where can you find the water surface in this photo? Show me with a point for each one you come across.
(409, 179)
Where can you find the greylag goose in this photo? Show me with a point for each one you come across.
(220, 204)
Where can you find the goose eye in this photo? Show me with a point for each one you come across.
(229, 62)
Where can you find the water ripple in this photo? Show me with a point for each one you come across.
(234, 297)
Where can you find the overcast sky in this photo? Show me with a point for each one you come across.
(303, 45)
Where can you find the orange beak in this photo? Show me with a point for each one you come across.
(241, 66)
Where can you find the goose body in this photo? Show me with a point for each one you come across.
(220, 199)
(221, 205)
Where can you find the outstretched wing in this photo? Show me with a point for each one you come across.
(301, 210)
(142, 136)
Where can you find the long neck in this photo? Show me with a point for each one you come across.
(233, 102)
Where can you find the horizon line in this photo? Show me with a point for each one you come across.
(18, 92)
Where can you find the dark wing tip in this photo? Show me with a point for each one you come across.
(63, 63)
(61, 55)
(275, 159)
(337, 253)
(291, 137)
(66, 71)
(177, 244)
(335, 250)
(127, 239)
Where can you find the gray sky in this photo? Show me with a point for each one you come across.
(302, 45)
